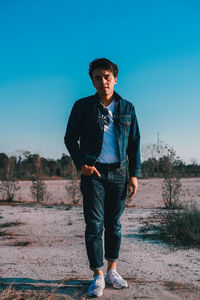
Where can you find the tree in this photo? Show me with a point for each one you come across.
(151, 156)
(9, 185)
(162, 161)
(171, 186)
(3, 162)
(65, 164)
(73, 188)
(38, 188)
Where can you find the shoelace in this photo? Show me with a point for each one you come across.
(99, 281)
(114, 273)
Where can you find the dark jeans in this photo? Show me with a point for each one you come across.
(103, 204)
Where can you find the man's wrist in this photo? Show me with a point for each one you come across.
(133, 178)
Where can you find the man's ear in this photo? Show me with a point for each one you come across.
(115, 80)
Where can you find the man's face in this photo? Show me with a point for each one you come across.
(104, 82)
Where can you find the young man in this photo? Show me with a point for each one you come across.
(103, 139)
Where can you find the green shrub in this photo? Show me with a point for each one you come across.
(179, 228)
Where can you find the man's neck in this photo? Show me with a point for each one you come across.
(106, 100)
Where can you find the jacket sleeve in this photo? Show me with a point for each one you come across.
(73, 134)
(134, 147)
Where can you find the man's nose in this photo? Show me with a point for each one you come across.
(103, 80)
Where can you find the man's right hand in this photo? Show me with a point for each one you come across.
(88, 170)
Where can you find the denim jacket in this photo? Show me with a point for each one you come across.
(85, 129)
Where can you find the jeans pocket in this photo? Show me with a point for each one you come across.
(122, 171)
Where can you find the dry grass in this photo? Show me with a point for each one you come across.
(13, 235)
(7, 225)
(12, 294)
(68, 288)
(10, 224)
(20, 244)
(74, 288)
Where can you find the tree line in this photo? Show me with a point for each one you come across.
(23, 166)
(156, 160)
(159, 160)
(156, 168)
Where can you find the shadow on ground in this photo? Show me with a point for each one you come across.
(73, 288)
(31, 288)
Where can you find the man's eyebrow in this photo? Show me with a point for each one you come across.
(98, 76)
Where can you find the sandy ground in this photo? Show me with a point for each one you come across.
(148, 195)
(45, 251)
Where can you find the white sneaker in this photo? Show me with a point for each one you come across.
(97, 287)
(115, 279)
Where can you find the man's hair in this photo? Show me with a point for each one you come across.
(103, 63)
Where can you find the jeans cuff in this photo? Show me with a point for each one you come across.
(96, 269)
(111, 259)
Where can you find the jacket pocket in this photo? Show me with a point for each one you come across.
(124, 123)
(125, 120)
(127, 123)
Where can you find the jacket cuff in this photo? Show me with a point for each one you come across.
(135, 173)
(79, 165)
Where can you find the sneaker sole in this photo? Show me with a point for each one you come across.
(94, 296)
(117, 287)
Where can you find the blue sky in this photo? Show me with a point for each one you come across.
(45, 50)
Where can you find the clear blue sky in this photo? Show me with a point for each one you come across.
(45, 48)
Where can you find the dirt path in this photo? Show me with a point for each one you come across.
(42, 251)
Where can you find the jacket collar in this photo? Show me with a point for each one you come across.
(117, 98)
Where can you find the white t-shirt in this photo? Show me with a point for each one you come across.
(109, 152)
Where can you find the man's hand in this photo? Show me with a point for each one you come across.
(133, 186)
(88, 170)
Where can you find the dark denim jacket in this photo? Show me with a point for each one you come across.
(85, 129)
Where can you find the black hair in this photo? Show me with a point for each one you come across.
(103, 63)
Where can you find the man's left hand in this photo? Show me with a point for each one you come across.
(133, 186)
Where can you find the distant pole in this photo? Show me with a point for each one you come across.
(158, 139)
(158, 146)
